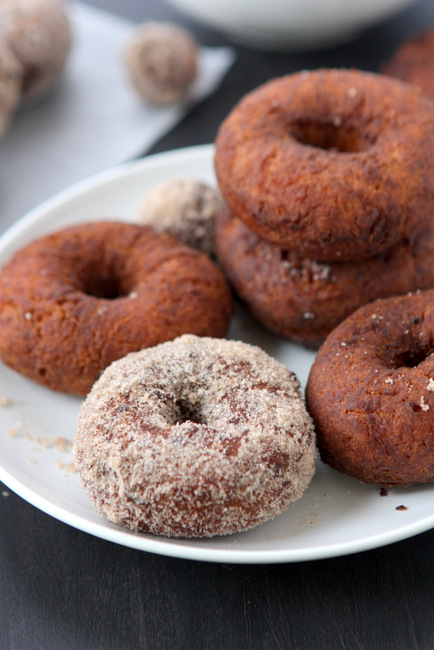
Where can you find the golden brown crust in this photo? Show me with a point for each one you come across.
(303, 299)
(371, 392)
(73, 301)
(195, 437)
(414, 62)
(333, 164)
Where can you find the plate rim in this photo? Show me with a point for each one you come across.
(136, 165)
(160, 545)
(169, 547)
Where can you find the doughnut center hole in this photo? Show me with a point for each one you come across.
(328, 135)
(410, 358)
(102, 281)
(187, 412)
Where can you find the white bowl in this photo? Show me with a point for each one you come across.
(289, 24)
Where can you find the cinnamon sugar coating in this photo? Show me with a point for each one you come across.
(39, 34)
(74, 301)
(185, 208)
(414, 62)
(196, 437)
(304, 299)
(371, 392)
(10, 85)
(335, 165)
(161, 60)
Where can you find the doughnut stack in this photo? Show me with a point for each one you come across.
(328, 183)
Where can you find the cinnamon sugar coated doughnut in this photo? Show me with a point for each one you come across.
(74, 301)
(414, 62)
(371, 392)
(162, 62)
(304, 299)
(185, 208)
(335, 165)
(10, 86)
(194, 438)
(39, 34)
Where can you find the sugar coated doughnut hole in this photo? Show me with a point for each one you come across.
(10, 84)
(39, 34)
(162, 61)
(185, 208)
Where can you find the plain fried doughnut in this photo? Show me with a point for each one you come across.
(371, 392)
(304, 299)
(195, 437)
(332, 164)
(414, 62)
(73, 301)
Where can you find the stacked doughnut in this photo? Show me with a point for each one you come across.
(328, 182)
(413, 62)
(35, 40)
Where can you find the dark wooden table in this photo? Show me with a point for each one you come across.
(64, 589)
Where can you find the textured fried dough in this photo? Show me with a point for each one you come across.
(335, 165)
(304, 299)
(371, 392)
(74, 301)
(195, 437)
(414, 62)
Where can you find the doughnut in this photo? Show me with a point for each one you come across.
(194, 437)
(303, 299)
(186, 209)
(371, 392)
(73, 301)
(39, 34)
(335, 165)
(10, 86)
(414, 62)
(161, 61)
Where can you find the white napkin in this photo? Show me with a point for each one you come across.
(93, 120)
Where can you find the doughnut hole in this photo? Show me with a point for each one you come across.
(326, 134)
(103, 279)
(189, 412)
(412, 356)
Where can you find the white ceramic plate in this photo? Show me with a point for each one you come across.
(336, 516)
